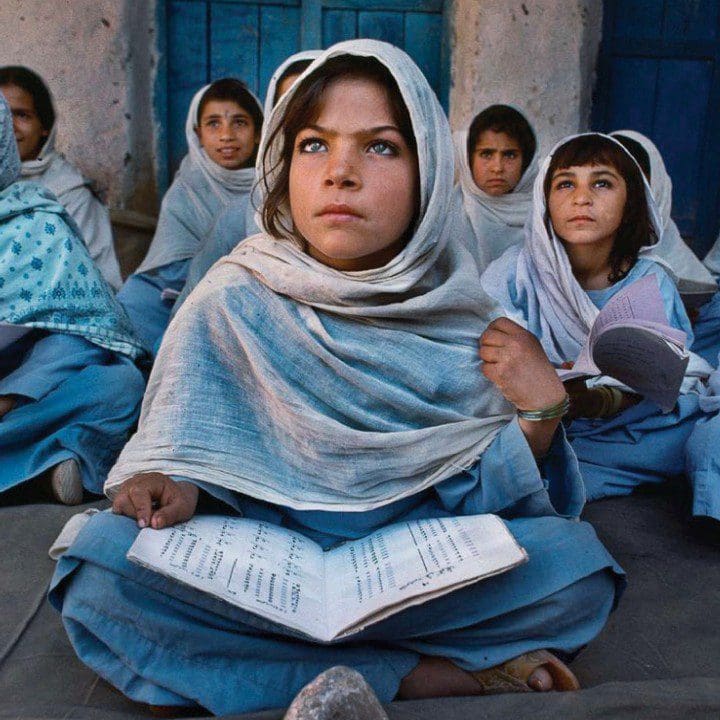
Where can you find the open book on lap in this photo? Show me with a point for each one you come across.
(633, 342)
(285, 577)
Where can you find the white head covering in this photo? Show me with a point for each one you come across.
(497, 222)
(51, 169)
(324, 389)
(200, 192)
(689, 272)
(279, 70)
(712, 259)
(252, 216)
(557, 309)
(9, 158)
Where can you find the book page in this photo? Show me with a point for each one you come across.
(639, 301)
(410, 560)
(258, 566)
(644, 361)
(639, 305)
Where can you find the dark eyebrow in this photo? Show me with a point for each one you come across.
(215, 116)
(367, 131)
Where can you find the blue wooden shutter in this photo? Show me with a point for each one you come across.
(202, 40)
(659, 73)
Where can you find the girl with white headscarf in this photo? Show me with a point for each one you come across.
(497, 164)
(36, 129)
(592, 191)
(237, 221)
(69, 387)
(222, 132)
(325, 376)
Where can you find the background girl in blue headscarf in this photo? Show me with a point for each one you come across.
(325, 377)
(69, 390)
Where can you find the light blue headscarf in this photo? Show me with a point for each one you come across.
(301, 385)
(47, 279)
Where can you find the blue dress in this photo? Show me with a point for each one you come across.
(74, 400)
(141, 296)
(162, 643)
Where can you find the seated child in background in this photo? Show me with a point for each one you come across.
(35, 127)
(496, 164)
(307, 384)
(69, 389)
(237, 221)
(222, 131)
(593, 231)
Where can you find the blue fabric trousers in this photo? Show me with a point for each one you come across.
(74, 400)
(163, 643)
(639, 445)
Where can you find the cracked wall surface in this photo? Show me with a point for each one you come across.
(538, 55)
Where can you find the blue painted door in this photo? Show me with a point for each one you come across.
(202, 40)
(659, 73)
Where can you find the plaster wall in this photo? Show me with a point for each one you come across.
(538, 55)
(97, 57)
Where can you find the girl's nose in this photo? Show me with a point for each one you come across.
(341, 170)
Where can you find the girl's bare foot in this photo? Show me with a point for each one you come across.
(538, 671)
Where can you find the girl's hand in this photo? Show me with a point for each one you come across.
(7, 403)
(156, 500)
(515, 362)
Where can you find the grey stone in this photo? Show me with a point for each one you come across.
(339, 693)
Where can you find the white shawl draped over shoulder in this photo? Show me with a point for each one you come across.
(312, 388)
(75, 192)
(201, 190)
(690, 274)
(555, 308)
(496, 223)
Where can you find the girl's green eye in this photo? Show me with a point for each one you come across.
(311, 145)
(381, 147)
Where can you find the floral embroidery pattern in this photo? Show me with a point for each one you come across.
(47, 279)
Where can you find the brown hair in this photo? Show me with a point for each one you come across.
(635, 228)
(304, 108)
(504, 119)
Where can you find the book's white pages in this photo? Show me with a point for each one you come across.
(283, 576)
(632, 341)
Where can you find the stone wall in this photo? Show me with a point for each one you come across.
(97, 57)
(538, 55)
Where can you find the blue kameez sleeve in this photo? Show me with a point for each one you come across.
(509, 481)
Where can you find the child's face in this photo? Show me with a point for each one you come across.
(353, 179)
(586, 204)
(29, 132)
(227, 133)
(496, 163)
